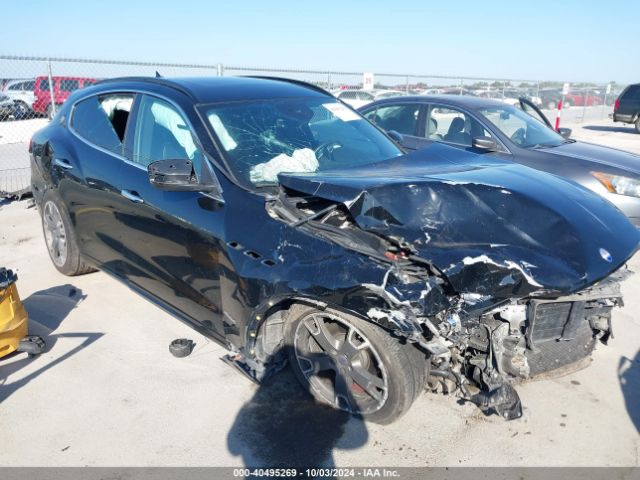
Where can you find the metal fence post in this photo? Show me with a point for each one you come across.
(53, 102)
(220, 69)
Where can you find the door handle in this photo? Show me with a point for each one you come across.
(133, 196)
(62, 163)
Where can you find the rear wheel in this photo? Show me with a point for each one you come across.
(352, 365)
(61, 238)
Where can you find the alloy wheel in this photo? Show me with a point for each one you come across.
(54, 233)
(340, 364)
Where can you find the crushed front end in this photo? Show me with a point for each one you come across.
(497, 272)
(489, 351)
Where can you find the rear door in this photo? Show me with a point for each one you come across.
(404, 118)
(91, 171)
(171, 239)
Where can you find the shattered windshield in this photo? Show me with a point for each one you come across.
(266, 137)
(521, 128)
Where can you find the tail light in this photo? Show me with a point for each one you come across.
(616, 105)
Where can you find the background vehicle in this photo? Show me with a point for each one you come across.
(9, 109)
(523, 135)
(6, 107)
(21, 92)
(581, 98)
(549, 98)
(62, 88)
(282, 224)
(359, 98)
(627, 107)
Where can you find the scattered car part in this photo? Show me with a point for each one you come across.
(181, 347)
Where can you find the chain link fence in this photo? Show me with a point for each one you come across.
(32, 88)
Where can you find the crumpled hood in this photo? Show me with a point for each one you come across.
(492, 227)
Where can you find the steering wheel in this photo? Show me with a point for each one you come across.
(325, 150)
(518, 136)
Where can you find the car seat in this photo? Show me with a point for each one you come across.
(456, 133)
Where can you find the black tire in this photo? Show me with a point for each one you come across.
(398, 366)
(66, 255)
(22, 110)
(637, 125)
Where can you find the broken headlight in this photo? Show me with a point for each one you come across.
(618, 184)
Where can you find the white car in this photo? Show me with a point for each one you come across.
(21, 92)
(359, 98)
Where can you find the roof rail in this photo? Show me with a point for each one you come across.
(156, 80)
(295, 82)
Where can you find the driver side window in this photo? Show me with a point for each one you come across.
(450, 125)
(162, 133)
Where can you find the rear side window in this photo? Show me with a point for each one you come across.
(632, 92)
(102, 120)
(44, 84)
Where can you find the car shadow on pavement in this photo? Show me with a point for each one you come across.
(51, 306)
(607, 128)
(47, 309)
(283, 426)
(629, 375)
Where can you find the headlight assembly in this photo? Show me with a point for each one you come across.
(618, 184)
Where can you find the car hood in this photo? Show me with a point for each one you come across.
(610, 157)
(491, 227)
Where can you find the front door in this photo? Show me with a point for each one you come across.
(172, 239)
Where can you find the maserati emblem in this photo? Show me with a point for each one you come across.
(606, 255)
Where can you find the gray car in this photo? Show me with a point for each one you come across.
(522, 135)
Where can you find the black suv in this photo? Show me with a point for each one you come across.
(627, 106)
(279, 222)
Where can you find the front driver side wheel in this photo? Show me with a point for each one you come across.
(60, 237)
(353, 365)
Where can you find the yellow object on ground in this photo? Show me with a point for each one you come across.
(13, 316)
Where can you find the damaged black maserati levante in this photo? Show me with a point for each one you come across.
(276, 220)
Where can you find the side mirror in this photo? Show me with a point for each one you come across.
(565, 132)
(484, 143)
(176, 175)
(395, 136)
